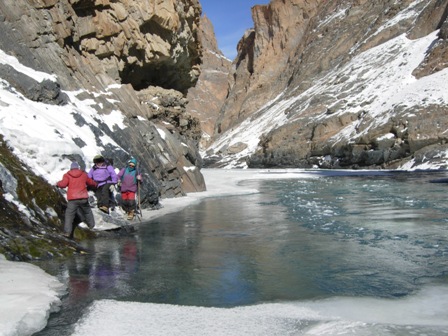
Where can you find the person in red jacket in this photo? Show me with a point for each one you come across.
(77, 198)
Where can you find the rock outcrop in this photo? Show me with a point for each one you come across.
(33, 233)
(93, 45)
(206, 98)
(142, 43)
(340, 84)
(134, 58)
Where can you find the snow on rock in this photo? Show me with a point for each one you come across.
(376, 81)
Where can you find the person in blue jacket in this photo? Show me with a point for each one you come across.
(106, 178)
(129, 179)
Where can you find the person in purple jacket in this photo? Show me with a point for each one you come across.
(129, 179)
(103, 174)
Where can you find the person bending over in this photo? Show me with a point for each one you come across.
(76, 181)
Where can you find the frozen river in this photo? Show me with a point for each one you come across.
(327, 254)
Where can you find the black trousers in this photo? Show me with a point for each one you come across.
(80, 208)
(128, 205)
(102, 195)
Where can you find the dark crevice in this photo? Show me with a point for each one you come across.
(152, 27)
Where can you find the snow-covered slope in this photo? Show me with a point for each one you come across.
(43, 135)
(368, 109)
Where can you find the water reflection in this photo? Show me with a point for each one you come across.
(111, 266)
(105, 273)
(297, 240)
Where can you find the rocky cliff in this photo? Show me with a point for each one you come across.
(207, 96)
(339, 84)
(131, 59)
(131, 56)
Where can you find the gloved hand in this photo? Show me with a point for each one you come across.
(111, 188)
(139, 177)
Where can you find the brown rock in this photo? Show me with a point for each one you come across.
(110, 51)
(297, 45)
(206, 98)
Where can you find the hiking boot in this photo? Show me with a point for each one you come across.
(104, 209)
(131, 215)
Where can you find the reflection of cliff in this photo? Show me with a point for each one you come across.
(169, 257)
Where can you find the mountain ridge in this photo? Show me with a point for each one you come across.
(321, 95)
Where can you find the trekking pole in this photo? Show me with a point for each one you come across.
(138, 199)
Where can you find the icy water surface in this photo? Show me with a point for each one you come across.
(346, 255)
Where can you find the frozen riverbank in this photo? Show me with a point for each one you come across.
(28, 295)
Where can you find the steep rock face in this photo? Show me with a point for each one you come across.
(142, 43)
(132, 59)
(331, 84)
(208, 95)
(263, 55)
(113, 52)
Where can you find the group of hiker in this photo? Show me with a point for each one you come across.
(102, 178)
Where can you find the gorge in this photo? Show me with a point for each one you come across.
(316, 84)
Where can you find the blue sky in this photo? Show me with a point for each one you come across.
(230, 18)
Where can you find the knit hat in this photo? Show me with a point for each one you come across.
(74, 165)
(98, 158)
